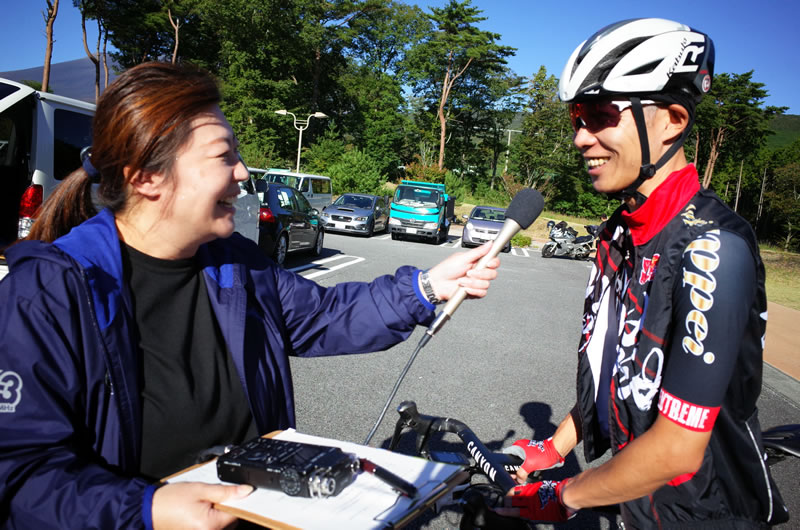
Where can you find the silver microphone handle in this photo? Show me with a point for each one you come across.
(510, 228)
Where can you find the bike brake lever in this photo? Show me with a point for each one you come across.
(422, 424)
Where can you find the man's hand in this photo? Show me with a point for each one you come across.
(191, 505)
(458, 271)
(539, 501)
(539, 455)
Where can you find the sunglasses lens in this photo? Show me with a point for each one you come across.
(594, 116)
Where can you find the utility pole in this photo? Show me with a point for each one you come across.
(508, 145)
(738, 186)
(761, 198)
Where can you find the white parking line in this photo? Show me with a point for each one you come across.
(384, 236)
(326, 270)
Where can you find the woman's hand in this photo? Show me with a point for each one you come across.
(191, 505)
(458, 271)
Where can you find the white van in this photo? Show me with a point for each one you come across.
(41, 136)
(315, 188)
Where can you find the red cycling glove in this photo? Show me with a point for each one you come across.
(541, 501)
(539, 455)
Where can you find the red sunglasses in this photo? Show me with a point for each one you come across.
(597, 115)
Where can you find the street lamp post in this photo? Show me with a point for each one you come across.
(508, 146)
(300, 125)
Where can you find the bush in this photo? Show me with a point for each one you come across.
(425, 173)
(520, 240)
(356, 172)
(588, 204)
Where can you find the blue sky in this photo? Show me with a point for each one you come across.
(760, 36)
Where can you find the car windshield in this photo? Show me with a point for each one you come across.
(354, 201)
(489, 214)
(418, 197)
(289, 180)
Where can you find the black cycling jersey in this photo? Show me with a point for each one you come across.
(674, 321)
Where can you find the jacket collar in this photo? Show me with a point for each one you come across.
(662, 205)
(94, 244)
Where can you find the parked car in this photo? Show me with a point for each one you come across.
(356, 213)
(287, 222)
(483, 224)
(248, 207)
(316, 188)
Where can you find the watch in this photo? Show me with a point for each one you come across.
(428, 288)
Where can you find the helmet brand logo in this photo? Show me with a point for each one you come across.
(706, 83)
(690, 53)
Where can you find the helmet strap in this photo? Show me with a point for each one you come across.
(648, 170)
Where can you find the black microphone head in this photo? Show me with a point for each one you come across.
(525, 207)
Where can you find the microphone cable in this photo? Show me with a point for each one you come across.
(425, 338)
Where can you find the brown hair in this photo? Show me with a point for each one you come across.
(142, 120)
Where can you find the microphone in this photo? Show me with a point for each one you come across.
(525, 207)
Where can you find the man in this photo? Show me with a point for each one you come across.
(669, 367)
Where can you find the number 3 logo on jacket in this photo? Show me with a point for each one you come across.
(10, 391)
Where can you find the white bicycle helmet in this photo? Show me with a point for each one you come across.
(645, 58)
(639, 56)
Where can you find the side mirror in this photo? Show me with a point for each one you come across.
(465, 216)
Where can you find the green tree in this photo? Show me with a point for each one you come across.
(731, 121)
(376, 116)
(384, 34)
(356, 171)
(544, 157)
(444, 62)
(484, 107)
(375, 120)
(325, 152)
(783, 202)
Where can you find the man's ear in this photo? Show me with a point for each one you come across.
(145, 183)
(678, 120)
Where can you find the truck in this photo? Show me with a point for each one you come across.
(422, 210)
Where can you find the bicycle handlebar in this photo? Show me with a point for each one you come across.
(494, 465)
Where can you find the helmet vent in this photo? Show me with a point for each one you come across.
(645, 69)
(614, 56)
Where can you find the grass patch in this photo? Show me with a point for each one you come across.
(783, 277)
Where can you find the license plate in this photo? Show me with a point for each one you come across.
(411, 230)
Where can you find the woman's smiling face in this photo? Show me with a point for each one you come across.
(206, 175)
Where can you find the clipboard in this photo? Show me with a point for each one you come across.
(367, 503)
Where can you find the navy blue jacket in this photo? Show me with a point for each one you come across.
(70, 371)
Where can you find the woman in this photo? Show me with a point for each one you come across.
(151, 331)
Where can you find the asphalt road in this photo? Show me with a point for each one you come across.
(504, 365)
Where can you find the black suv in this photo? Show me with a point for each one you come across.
(286, 222)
